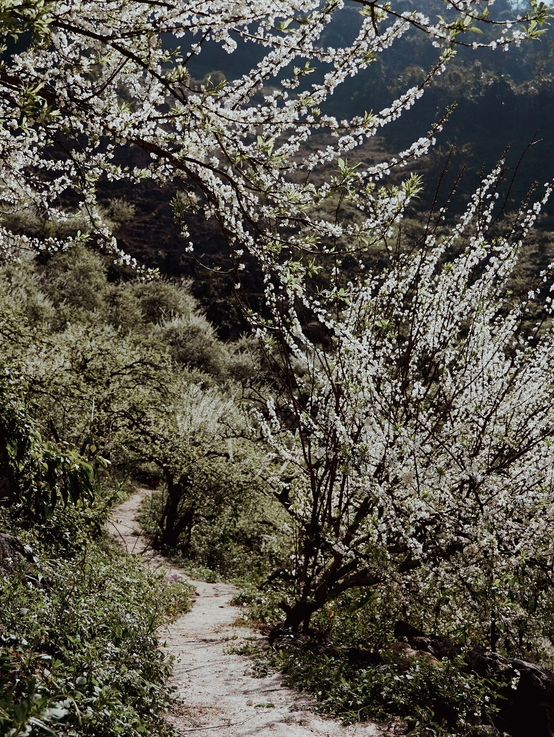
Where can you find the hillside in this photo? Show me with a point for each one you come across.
(276, 368)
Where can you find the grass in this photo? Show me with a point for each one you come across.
(390, 683)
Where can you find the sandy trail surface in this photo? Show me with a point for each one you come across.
(217, 694)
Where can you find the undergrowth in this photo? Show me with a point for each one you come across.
(357, 678)
(238, 550)
(79, 651)
(435, 699)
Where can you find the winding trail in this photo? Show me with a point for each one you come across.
(217, 696)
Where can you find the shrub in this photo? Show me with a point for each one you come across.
(76, 279)
(124, 310)
(78, 645)
(192, 342)
(160, 301)
(221, 520)
(436, 699)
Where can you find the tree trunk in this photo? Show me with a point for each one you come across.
(174, 522)
(8, 483)
(299, 616)
(315, 594)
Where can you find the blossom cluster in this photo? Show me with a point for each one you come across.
(83, 82)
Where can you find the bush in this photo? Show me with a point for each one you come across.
(22, 296)
(77, 280)
(192, 342)
(160, 301)
(124, 311)
(435, 699)
(244, 362)
(78, 645)
(222, 523)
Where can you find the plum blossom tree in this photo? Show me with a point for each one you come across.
(84, 83)
(420, 447)
(418, 432)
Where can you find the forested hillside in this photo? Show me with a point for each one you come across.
(276, 323)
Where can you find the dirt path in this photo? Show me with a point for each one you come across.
(216, 695)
